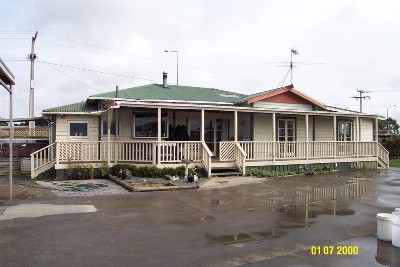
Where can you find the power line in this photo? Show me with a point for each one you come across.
(361, 97)
(75, 80)
(154, 61)
(95, 71)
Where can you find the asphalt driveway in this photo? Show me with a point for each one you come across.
(272, 223)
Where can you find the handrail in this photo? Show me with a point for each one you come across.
(206, 158)
(383, 154)
(240, 157)
(42, 159)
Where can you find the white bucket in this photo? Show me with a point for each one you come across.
(396, 231)
(384, 222)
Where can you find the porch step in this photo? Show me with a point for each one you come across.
(223, 174)
(225, 171)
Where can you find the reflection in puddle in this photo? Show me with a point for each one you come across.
(308, 202)
(229, 239)
(295, 208)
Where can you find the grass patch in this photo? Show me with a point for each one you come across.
(394, 163)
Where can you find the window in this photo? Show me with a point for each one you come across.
(286, 130)
(104, 128)
(195, 130)
(345, 131)
(78, 129)
(145, 125)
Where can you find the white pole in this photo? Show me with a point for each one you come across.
(236, 125)
(159, 118)
(202, 126)
(11, 143)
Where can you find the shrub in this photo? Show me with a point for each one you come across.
(268, 173)
(150, 171)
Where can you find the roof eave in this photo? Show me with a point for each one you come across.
(161, 101)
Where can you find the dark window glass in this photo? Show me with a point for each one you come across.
(113, 127)
(146, 125)
(78, 129)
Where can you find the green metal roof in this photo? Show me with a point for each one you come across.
(81, 107)
(173, 92)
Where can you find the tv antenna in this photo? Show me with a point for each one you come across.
(291, 65)
(361, 97)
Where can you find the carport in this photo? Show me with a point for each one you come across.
(7, 80)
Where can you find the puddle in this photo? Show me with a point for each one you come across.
(386, 254)
(80, 187)
(229, 239)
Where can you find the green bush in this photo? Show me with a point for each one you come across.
(268, 173)
(148, 171)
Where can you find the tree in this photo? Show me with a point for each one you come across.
(389, 126)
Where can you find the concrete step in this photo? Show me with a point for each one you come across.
(223, 174)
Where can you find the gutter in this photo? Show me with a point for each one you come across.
(245, 109)
(161, 101)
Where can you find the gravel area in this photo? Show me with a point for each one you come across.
(71, 188)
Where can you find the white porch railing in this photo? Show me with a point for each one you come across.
(240, 157)
(268, 150)
(172, 152)
(43, 160)
(206, 158)
(176, 151)
(383, 155)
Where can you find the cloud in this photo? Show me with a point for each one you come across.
(220, 43)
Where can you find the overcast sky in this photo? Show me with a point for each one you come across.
(221, 44)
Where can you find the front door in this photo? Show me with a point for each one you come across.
(286, 130)
(286, 134)
(215, 130)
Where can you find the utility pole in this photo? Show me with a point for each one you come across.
(361, 97)
(32, 58)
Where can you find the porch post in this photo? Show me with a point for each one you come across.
(109, 119)
(357, 137)
(235, 113)
(202, 126)
(376, 130)
(159, 135)
(116, 137)
(273, 138)
(334, 136)
(307, 146)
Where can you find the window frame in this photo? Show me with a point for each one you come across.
(339, 122)
(294, 119)
(117, 129)
(78, 136)
(165, 115)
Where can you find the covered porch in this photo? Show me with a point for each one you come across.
(213, 137)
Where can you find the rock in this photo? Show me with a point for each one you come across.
(168, 177)
(195, 178)
(128, 174)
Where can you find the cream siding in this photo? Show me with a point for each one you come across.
(62, 127)
(367, 129)
(262, 127)
(323, 128)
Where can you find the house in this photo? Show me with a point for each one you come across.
(161, 124)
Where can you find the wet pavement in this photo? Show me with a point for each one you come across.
(272, 223)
